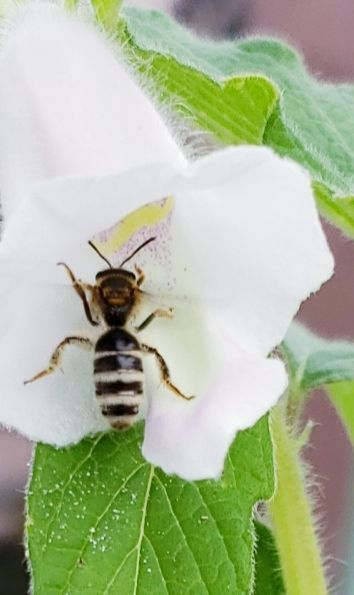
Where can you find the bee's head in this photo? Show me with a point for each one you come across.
(117, 294)
(115, 284)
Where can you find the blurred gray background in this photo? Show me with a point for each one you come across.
(323, 31)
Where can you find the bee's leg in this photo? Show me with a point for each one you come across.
(165, 373)
(56, 357)
(157, 313)
(80, 288)
(141, 275)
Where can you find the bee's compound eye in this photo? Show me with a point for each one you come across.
(102, 274)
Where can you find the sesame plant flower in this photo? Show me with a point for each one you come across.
(164, 334)
(237, 247)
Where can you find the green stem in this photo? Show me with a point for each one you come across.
(292, 521)
(107, 13)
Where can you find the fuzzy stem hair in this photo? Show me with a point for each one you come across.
(291, 515)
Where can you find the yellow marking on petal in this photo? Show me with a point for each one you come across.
(146, 216)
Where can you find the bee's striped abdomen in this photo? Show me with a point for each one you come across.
(118, 375)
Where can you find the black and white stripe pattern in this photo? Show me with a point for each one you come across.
(119, 376)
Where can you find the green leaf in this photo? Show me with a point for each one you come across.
(340, 211)
(308, 120)
(102, 520)
(269, 579)
(342, 395)
(235, 110)
(315, 362)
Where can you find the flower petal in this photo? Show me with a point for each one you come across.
(68, 106)
(245, 236)
(211, 271)
(191, 439)
(39, 308)
(56, 221)
(60, 408)
(247, 220)
(245, 239)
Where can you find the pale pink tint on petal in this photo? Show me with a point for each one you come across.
(191, 439)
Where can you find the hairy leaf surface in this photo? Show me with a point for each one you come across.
(314, 362)
(102, 520)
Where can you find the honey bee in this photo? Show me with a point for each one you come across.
(118, 371)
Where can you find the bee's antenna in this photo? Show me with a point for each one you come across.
(99, 253)
(137, 250)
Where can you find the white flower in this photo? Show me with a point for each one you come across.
(238, 247)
